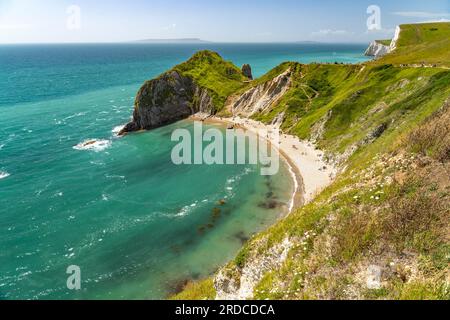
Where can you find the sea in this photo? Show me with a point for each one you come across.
(134, 224)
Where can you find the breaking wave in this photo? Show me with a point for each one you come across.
(93, 145)
(4, 174)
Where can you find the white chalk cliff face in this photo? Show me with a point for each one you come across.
(395, 39)
(377, 50)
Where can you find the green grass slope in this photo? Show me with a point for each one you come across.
(211, 71)
(341, 105)
(417, 41)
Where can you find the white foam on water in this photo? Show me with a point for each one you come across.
(4, 174)
(232, 182)
(93, 145)
(115, 177)
(79, 114)
(117, 129)
(186, 210)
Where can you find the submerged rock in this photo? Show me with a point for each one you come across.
(216, 213)
(270, 204)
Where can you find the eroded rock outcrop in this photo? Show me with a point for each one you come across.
(235, 283)
(262, 97)
(247, 71)
(167, 99)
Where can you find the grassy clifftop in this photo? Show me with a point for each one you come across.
(210, 71)
(426, 43)
(201, 84)
(384, 42)
(381, 230)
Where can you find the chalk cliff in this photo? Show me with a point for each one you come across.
(377, 49)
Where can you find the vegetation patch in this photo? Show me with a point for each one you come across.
(202, 290)
(209, 70)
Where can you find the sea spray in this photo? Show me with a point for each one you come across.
(4, 175)
(93, 144)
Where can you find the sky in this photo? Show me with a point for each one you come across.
(62, 21)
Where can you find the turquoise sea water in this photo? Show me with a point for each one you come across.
(137, 225)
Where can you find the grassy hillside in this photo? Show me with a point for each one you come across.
(422, 44)
(338, 106)
(209, 70)
(386, 216)
(388, 211)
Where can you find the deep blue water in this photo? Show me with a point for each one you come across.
(31, 73)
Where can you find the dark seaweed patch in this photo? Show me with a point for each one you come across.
(242, 237)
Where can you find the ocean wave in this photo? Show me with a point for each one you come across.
(187, 209)
(115, 177)
(4, 174)
(93, 145)
(1, 146)
(117, 129)
(97, 163)
(233, 181)
(79, 114)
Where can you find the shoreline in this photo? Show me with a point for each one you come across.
(310, 173)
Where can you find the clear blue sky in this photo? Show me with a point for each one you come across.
(228, 21)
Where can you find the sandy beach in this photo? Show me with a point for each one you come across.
(310, 172)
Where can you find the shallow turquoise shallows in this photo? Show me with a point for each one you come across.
(137, 225)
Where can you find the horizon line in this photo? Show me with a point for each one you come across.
(168, 41)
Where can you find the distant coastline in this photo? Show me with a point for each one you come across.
(176, 41)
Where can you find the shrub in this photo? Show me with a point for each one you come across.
(433, 138)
